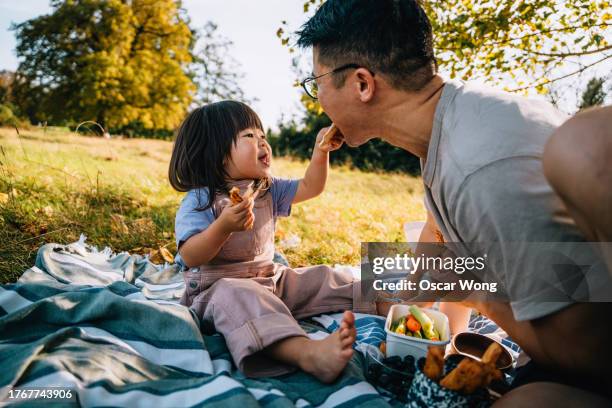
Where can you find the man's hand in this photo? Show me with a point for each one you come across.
(237, 217)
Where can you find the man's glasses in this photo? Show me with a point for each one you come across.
(310, 83)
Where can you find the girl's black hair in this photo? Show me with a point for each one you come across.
(203, 144)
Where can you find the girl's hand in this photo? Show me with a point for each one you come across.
(238, 217)
(335, 143)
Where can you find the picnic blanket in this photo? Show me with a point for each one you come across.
(109, 327)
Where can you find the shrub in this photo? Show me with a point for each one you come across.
(375, 155)
(7, 118)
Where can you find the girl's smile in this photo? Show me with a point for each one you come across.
(265, 159)
(251, 156)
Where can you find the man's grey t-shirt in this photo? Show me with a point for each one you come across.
(484, 181)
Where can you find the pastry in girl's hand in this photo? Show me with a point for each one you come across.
(236, 198)
(234, 195)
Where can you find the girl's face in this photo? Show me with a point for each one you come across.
(251, 156)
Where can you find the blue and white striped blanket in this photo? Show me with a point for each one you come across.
(109, 327)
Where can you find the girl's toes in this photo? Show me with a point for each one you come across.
(347, 353)
(349, 317)
(347, 342)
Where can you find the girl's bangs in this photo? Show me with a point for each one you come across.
(243, 117)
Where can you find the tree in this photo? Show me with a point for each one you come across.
(594, 94)
(132, 66)
(9, 113)
(214, 69)
(518, 42)
(7, 78)
(112, 61)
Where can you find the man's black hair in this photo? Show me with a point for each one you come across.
(390, 37)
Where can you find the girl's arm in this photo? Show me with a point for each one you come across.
(202, 247)
(314, 180)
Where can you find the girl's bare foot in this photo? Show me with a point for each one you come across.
(325, 359)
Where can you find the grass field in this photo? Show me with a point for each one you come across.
(55, 185)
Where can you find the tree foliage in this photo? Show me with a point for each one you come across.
(527, 40)
(519, 42)
(133, 66)
(7, 78)
(112, 61)
(594, 94)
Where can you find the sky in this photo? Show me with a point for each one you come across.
(251, 26)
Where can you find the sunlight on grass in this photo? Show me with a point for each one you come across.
(55, 185)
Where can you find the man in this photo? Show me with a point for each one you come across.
(374, 74)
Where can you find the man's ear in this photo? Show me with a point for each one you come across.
(366, 85)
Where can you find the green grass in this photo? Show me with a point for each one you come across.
(55, 185)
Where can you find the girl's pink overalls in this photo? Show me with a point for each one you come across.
(253, 302)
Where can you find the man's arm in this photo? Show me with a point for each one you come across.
(458, 315)
(428, 235)
(430, 230)
(574, 342)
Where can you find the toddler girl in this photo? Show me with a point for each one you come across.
(227, 250)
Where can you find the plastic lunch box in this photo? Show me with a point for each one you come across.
(400, 345)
